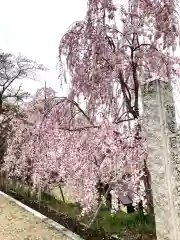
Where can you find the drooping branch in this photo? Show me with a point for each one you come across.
(126, 98)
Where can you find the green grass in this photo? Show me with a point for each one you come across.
(70, 209)
(116, 224)
(122, 221)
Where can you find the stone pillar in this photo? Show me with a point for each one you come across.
(163, 157)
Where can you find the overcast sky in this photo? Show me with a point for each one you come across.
(34, 28)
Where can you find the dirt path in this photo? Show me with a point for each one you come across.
(16, 224)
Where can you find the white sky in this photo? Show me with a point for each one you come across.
(34, 28)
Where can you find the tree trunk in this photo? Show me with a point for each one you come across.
(62, 194)
(100, 205)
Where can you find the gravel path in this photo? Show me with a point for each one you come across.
(16, 224)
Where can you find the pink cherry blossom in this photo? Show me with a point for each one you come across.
(78, 147)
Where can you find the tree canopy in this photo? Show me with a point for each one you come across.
(108, 55)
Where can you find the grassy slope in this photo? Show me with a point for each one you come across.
(121, 223)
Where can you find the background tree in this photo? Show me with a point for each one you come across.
(46, 151)
(12, 69)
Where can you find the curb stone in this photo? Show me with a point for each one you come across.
(57, 226)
